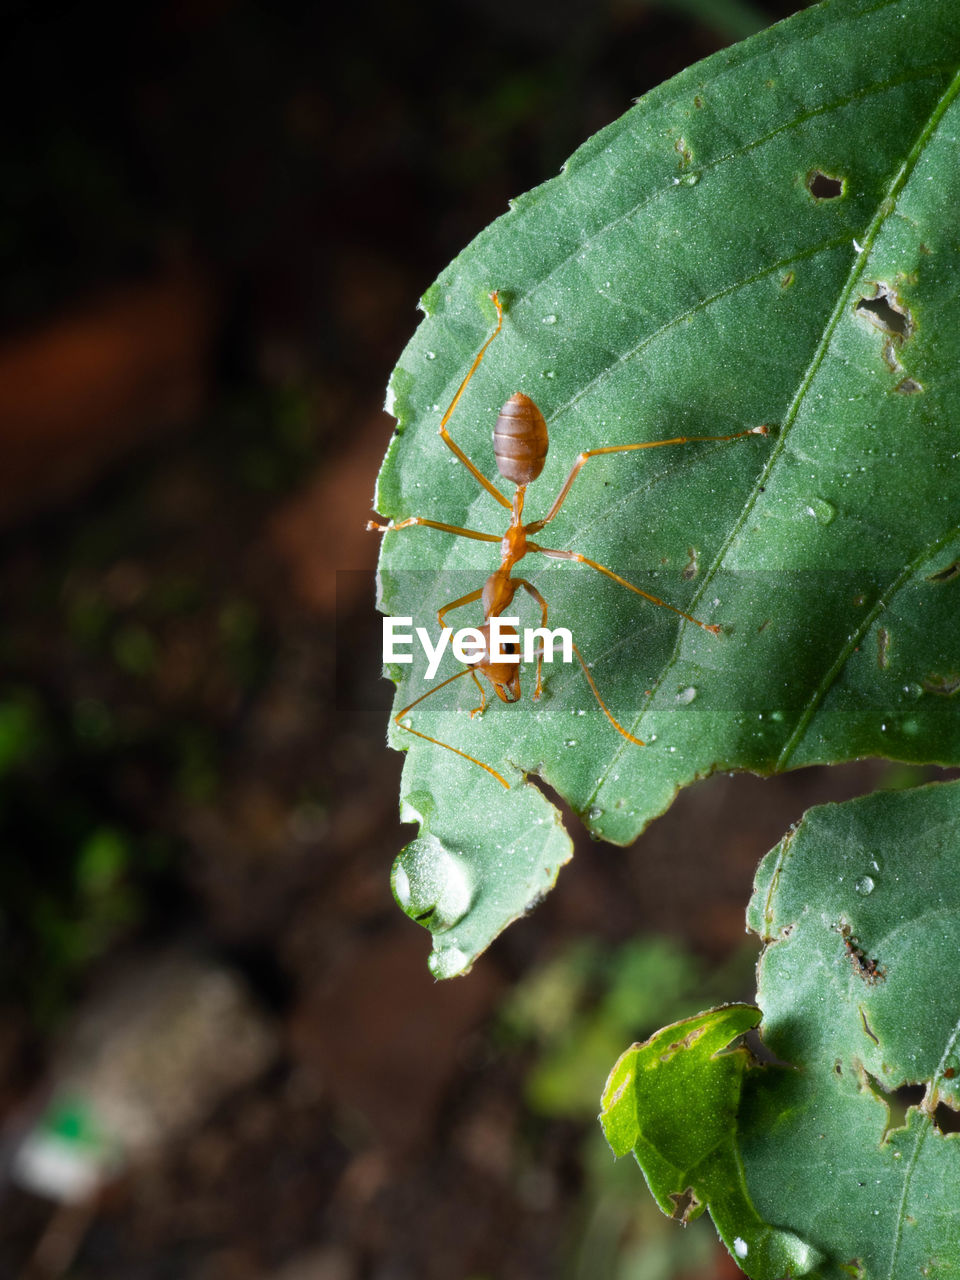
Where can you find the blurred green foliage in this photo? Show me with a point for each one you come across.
(133, 647)
(567, 1015)
(68, 879)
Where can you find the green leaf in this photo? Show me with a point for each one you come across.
(860, 908)
(770, 237)
(673, 1102)
(849, 1142)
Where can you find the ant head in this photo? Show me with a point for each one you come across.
(507, 689)
(502, 673)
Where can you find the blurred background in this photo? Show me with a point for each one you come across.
(221, 1054)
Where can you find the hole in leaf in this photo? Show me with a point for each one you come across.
(685, 1205)
(946, 1118)
(908, 387)
(898, 1101)
(944, 685)
(823, 186)
(886, 312)
(946, 575)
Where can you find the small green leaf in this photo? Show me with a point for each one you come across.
(860, 908)
(770, 237)
(673, 1102)
(849, 1143)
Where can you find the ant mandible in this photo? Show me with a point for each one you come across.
(520, 443)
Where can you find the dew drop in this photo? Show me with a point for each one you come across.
(687, 695)
(595, 814)
(777, 716)
(913, 691)
(691, 179)
(401, 886)
(570, 742)
(432, 885)
(740, 1247)
(822, 511)
(431, 355)
(551, 319)
(865, 885)
(549, 373)
(448, 962)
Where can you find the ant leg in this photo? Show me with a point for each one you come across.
(626, 448)
(478, 711)
(445, 434)
(575, 555)
(436, 741)
(373, 526)
(455, 604)
(603, 706)
(532, 591)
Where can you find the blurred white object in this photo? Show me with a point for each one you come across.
(151, 1053)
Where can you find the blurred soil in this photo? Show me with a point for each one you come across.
(224, 230)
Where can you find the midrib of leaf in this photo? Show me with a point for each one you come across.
(886, 208)
(926, 1126)
(877, 87)
(701, 305)
(884, 600)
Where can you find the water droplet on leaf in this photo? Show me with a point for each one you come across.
(821, 510)
(448, 962)
(431, 884)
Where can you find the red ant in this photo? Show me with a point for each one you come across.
(520, 443)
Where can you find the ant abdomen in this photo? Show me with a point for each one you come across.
(520, 440)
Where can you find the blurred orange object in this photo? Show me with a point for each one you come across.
(82, 391)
